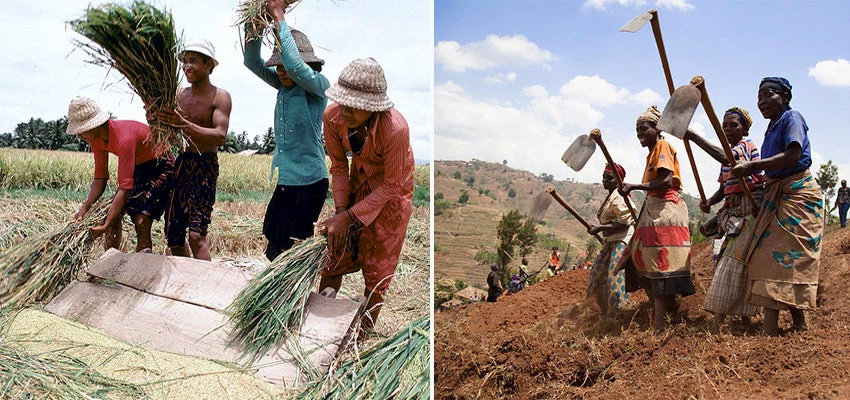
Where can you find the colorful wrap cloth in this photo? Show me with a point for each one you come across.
(660, 248)
(606, 285)
(783, 249)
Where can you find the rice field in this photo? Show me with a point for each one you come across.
(72, 170)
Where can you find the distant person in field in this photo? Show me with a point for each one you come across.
(299, 155)
(554, 261)
(660, 247)
(728, 290)
(373, 191)
(519, 279)
(842, 201)
(494, 283)
(616, 226)
(144, 177)
(785, 240)
(204, 118)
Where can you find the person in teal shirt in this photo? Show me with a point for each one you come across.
(299, 155)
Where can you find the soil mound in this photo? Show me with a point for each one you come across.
(548, 342)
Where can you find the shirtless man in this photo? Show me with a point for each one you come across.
(204, 117)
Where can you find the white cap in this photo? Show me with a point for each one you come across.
(202, 46)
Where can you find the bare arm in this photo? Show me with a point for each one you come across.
(714, 151)
(116, 209)
(662, 183)
(98, 186)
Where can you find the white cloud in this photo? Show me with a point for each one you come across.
(492, 52)
(534, 134)
(594, 90)
(35, 87)
(602, 4)
(502, 78)
(536, 91)
(648, 97)
(832, 72)
(677, 4)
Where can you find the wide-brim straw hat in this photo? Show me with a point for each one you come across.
(305, 49)
(203, 47)
(84, 115)
(361, 85)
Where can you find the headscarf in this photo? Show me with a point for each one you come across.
(742, 114)
(620, 170)
(651, 114)
(778, 84)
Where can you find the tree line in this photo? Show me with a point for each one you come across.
(50, 135)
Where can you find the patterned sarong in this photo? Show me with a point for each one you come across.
(660, 248)
(191, 207)
(783, 252)
(608, 287)
(152, 181)
(728, 290)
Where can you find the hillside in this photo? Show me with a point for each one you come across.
(461, 230)
(547, 343)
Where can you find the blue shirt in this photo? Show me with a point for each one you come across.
(299, 152)
(789, 127)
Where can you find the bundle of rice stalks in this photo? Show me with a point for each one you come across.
(273, 304)
(256, 12)
(54, 375)
(140, 42)
(38, 268)
(397, 367)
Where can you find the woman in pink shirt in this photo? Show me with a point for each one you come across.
(144, 178)
(374, 197)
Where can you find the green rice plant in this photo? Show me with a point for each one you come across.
(397, 367)
(273, 303)
(38, 268)
(256, 14)
(140, 41)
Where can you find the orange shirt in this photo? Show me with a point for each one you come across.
(127, 141)
(662, 156)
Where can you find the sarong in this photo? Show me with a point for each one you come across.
(659, 252)
(152, 182)
(191, 206)
(607, 286)
(728, 290)
(374, 248)
(784, 246)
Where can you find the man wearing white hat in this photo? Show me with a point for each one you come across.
(299, 156)
(374, 197)
(144, 177)
(204, 118)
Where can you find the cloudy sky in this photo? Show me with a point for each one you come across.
(40, 72)
(518, 81)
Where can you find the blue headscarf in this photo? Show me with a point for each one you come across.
(778, 84)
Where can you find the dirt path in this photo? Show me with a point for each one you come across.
(547, 343)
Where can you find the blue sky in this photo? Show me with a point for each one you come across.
(40, 72)
(518, 81)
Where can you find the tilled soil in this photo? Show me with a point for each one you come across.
(548, 342)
